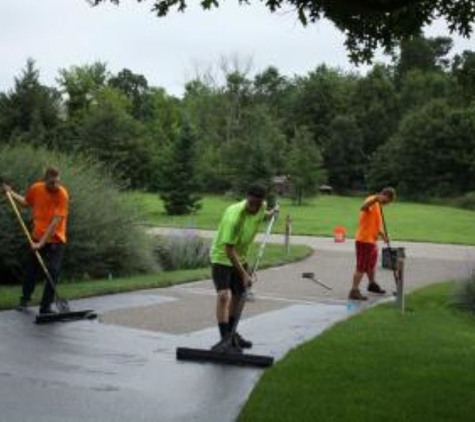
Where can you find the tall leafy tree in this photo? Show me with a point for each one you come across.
(304, 165)
(135, 87)
(112, 136)
(423, 54)
(180, 183)
(419, 88)
(432, 154)
(345, 160)
(463, 67)
(30, 110)
(81, 84)
(206, 107)
(375, 106)
(253, 154)
(322, 95)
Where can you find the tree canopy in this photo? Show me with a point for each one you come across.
(367, 24)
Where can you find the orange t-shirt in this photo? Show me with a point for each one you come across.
(370, 223)
(45, 206)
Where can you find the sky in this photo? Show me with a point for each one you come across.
(168, 51)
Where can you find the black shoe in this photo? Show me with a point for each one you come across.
(375, 288)
(241, 342)
(47, 310)
(226, 346)
(22, 305)
(355, 294)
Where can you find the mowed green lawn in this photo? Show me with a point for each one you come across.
(319, 216)
(377, 366)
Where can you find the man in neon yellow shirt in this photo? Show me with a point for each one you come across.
(229, 251)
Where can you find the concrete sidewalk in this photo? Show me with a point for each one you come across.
(123, 367)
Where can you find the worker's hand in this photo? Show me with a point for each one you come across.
(247, 280)
(273, 212)
(36, 246)
(6, 188)
(385, 237)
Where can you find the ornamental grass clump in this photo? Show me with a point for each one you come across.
(182, 251)
(464, 295)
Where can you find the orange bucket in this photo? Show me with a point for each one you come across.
(339, 234)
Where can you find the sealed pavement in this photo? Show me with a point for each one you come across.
(123, 367)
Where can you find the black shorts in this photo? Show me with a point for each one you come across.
(226, 277)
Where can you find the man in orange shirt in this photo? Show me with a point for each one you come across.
(370, 227)
(49, 202)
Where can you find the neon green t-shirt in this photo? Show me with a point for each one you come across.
(237, 228)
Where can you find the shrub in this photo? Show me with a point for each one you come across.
(104, 235)
(464, 295)
(182, 251)
(467, 201)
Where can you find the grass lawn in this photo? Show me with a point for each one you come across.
(378, 366)
(318, 217)
(274, 256)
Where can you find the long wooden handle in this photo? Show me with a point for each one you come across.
(30, 240)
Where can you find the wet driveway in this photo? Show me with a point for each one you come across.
(122, 367)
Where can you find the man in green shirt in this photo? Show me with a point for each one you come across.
(229, 251)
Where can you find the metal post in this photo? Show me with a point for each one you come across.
(288, 233)
(400, 283)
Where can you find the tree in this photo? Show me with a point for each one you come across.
(205, 106)
(321, 95)
(419, 88)
(463, 67)
(180, 184)
(110, 135)
(367, 24)
(30, 110)
(432, 154)
(135, 87)
(81, 84)
(255, 152)
(304, 165)
(375, 106)
(345, 160)
(424, 54)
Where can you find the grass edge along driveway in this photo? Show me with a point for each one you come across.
(274, 256)
(378, 365)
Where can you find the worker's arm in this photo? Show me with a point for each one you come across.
(18, 198)
(368, 204)
(234, 257)
(48, 233)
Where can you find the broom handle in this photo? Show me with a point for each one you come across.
(264, 242)
(30, 240)
(242, 301)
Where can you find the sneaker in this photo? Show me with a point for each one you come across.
(227, 347)
(47, 310)
(375, 288)
(355, 294)
(241, 342)
(22, 305)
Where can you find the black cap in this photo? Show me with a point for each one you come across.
(256, 191)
